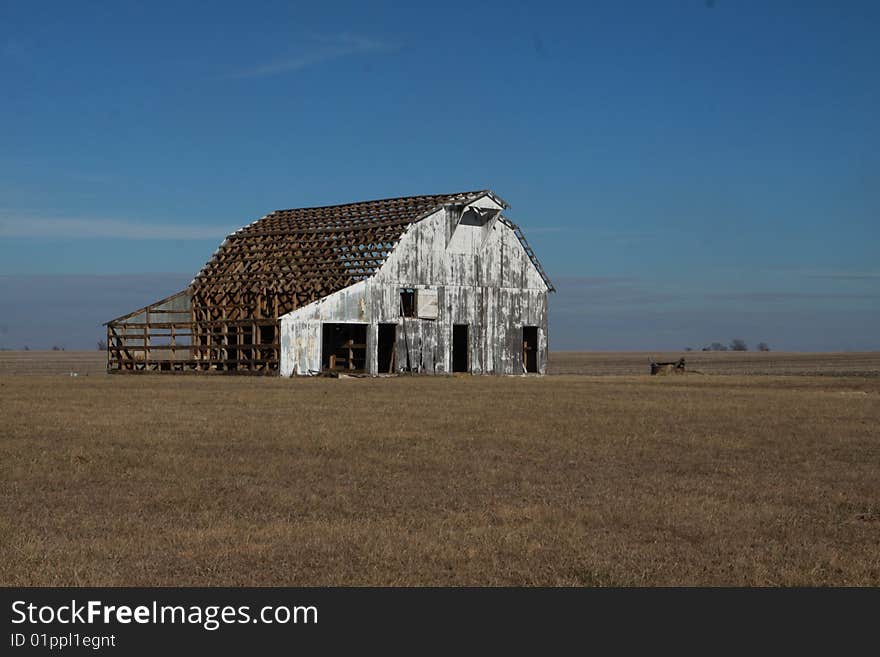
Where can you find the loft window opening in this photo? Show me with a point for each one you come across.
(407, 302)
(474, 216)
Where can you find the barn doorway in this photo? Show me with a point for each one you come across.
(460, 348)
(386, 351)
(344, 348)
(530, 349)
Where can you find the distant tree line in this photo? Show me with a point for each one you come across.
(737, 344)
(102, 345)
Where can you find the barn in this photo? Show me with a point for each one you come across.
(424, 284)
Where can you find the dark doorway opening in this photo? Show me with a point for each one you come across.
(386, 351)
(530, 348)
(460, 348)
(344, 347)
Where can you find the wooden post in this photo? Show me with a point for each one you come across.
(224, 350)
(147, 344)
(239, 338)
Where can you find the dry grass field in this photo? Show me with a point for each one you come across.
(53, 362)
(569, 480)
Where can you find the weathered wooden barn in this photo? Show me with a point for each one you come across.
(429, 284)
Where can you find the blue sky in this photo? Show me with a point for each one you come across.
(687, 171)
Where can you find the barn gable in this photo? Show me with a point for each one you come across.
(463, 246)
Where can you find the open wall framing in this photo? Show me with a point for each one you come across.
(170, 336)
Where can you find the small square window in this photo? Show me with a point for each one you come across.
(407, 302)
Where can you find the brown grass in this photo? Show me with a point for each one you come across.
(184, 480)
(84, 363)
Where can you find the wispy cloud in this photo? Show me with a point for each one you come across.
(582, 295)
(596, 281)
(317, 51)
(830, 274)
(534, 230)
(67, 310)
(848, 276)
(778, 297)
(79, 228)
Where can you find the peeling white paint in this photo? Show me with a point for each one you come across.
(482, 277)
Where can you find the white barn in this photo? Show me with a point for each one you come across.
(461, 291)
(430, 284)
